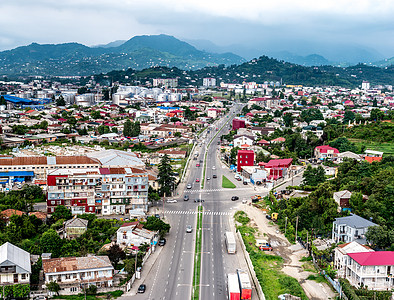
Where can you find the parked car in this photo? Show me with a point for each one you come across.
(157, 216)
(171, 201)
(186, 198)
(239, 178)
(162, 242)
(189, 228)
(141, 289)
(245, 183)
(234, 198)
(189, 186)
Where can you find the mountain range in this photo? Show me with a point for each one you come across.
(139, 52)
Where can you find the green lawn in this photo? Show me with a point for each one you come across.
(226, 183)
(387, 148)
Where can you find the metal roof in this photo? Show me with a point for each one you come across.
(16, 173)
(354, 221)
(10, 253)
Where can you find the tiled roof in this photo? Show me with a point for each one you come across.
(67, 264)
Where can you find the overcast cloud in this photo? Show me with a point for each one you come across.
(265, 25)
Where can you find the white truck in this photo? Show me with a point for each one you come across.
(230, 242)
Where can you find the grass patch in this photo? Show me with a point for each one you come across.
(114, 294)
(309, 267)
(227, 184)
(318, 278)
(268, 267)
(197, 257)
(306, 258)
(241, 217)
(387, 148)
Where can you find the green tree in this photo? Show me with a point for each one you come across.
(348, 116)
(311, 114)
(380, 237)
(127, 128)
(343, 144)
(60, 101)
(115, 254)
(61, 212)
(135, 129)
(95, 114)
(54, 287)
(50, 242)
(165, 178)
(288, 120)
(376, 114)
(21, 290)
(177, 134)
(313, 176)
(156, 224)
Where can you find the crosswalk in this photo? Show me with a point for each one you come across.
(193, 212)
(216, 190)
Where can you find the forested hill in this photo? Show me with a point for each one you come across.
(265, 69)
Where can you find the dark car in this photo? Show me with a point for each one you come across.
(141, 289)
(268, 217)
(162, 242)
(214, 176)
(186, 198)
(245, 183)
(233, 198)
(198, 200)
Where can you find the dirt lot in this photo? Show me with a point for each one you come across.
(290, 253)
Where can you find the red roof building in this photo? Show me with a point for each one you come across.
(325, 151)
(263, 143)
(377, 258)
(278, 168)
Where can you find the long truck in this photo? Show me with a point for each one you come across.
(245, 286)
(230, 242)
(233, 287)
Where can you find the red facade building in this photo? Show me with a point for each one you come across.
(244, 158)
(238, 124)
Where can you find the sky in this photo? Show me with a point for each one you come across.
(298, 26)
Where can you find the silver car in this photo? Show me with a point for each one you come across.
(189, 228)
(189, 186)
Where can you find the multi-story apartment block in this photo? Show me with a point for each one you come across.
(103, 191)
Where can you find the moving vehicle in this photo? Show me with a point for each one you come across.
(214, 176)
(189, 186)
(197, 180)
(263, 245)
(198, 200)
(213, 168)
(171, 201)
(233, 287)
(208, 178)
(186, 198)
(244, 285)
(234, 198)
(162, 242)
(197, 165)
(230, 242)
(189, 228)
(141, 289)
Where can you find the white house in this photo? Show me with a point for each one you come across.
(240, 140)
(374, 270)
(341, 252)
(350, 228)
(133, 234)
(73, 274)
(14, 265)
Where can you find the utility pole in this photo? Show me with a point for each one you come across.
(296, 230)
(285, 226)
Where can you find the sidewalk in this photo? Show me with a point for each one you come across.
(144, 272)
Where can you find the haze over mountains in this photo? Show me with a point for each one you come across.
(142, 52)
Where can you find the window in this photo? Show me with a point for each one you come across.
(246, 156)
(240, 156)
(23, 276)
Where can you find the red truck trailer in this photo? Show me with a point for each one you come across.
(233, 287)
(244, 285)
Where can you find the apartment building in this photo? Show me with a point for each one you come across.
(103, 191)
(73, 274)
(350, 228)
